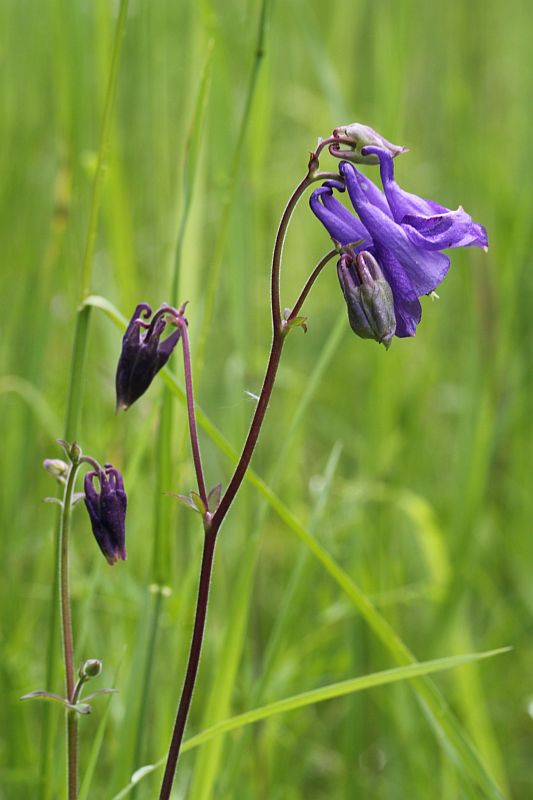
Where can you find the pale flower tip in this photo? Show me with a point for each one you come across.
(486, 249)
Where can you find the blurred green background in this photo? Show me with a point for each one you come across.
(411, 467)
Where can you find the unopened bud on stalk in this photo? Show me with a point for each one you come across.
(368, 297)
(353, 138)
(75, 452)
(90, 669)
(57, 468)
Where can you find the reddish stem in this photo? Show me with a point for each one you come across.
(189, 392)
(192, 665)
(212, 526)
(309, 283)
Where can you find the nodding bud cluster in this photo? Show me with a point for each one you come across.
(143, 353)
(107, 511)
(353, 138)
(368, 297)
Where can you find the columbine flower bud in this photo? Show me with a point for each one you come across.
(57, 468)
(368, 297)
(143, 354)
(107, 511)
(355, 137)
(90, 669)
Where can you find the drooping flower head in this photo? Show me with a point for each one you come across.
(107, 511)
(143, 353)
(403, 232)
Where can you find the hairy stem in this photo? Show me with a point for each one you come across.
(66, 632)
(309, 283)
(278, 338)
(192, 664)
(212, 526)
(278, 250)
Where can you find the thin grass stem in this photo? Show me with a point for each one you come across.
(77, 370)
(215, 262)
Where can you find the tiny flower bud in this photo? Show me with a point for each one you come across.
(143, 354)
(355, 137)
(90, 669)
(75, 452)
(368, 297)
(57, 468)
(107, 511)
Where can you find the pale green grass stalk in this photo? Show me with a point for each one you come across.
(77, 375)
(215, 261)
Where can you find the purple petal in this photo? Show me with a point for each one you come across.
(431, 226)
(115, 478)
(164, 351)
(373, 195)
(406, 304)
(92, 499)
(338, 221)
(400, 201)
(424, 268)
(453, 229)
(133, 329)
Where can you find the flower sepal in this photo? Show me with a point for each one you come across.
(368, 297)
(107, 511)
(289, 323)
(352, 139)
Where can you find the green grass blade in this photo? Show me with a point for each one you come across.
(314, 696)
(444, 722)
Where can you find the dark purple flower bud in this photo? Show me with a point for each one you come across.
(107, 510)
(143, 353)
(352, 138)
(368, 297)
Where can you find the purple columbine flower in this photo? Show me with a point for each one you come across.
(404, 233)
(107, 510)
(143, 354)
